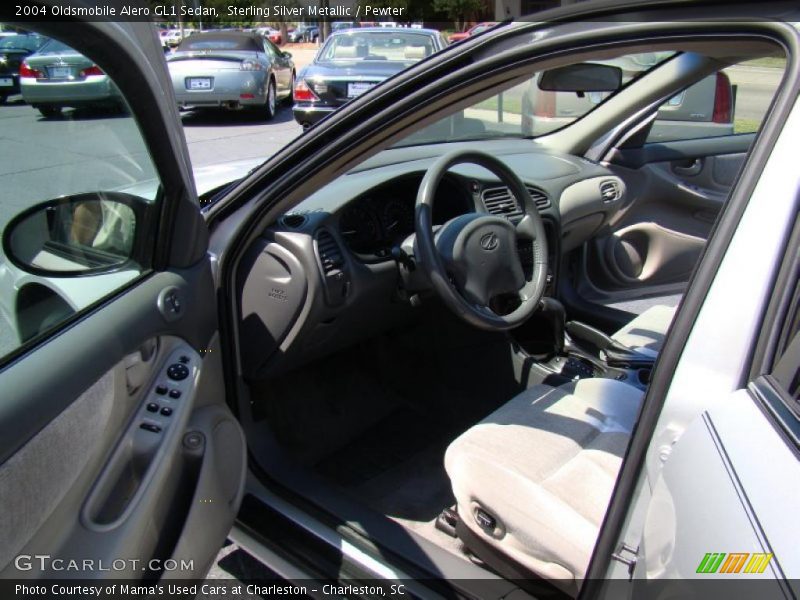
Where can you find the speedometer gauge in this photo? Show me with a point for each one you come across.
(398, 219)
(359, 227)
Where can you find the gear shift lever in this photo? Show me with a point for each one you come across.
(552, 308)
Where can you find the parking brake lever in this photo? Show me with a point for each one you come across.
(616, 354)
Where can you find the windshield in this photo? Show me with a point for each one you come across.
(21, 42)
(212, 42)
(481, 28)
(377, 45)
(56, 47)
(525, 111)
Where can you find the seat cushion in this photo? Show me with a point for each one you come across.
(648, 330)
(544, 466)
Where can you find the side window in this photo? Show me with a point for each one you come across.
(270, 49)
(77, 188)
(729, 102)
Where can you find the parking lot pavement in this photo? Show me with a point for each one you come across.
(222, 136)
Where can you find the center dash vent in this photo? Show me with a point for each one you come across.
(500, 201)
(610, 191)
(330, 255)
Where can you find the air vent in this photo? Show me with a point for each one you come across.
(499, 201)
(610, 191)
(293, 220)
(539, 197)
(330, 255)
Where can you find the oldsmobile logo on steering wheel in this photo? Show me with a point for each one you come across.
(489, 241)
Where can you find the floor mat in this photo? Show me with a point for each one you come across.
(390, 442)
(415, 491)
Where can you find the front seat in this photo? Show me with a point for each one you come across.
(648, 330)
(533, 480)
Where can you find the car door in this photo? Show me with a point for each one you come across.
(678, 177)
(117, 449)
(282, 66)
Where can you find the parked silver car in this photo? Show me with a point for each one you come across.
(57, 76)
(231, 70)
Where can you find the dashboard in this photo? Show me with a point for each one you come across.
(382, 218)
(323, 276)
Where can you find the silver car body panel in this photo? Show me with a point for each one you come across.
(706, 410)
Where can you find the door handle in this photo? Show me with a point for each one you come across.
(138, 365)
(687, 168)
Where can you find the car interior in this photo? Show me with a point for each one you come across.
(457, 334)
(412, 346)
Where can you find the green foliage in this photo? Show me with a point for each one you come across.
(460, 11)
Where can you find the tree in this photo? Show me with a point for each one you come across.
(281, 21)
(459, 10)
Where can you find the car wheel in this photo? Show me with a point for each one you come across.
(50, 112)
(271, 100)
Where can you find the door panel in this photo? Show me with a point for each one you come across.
(675, 193)
(92, 483)
(116, 442)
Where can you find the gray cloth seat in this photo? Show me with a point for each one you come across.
(543, 466)
(648, 330)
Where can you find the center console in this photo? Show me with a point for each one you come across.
(564, 351)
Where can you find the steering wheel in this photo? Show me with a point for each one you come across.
(473, 258)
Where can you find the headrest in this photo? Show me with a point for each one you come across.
(415, 52)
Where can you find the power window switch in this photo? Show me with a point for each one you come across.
(175, 394)
(161, 390)
(150, 427)
(166, 411)
(152, 407)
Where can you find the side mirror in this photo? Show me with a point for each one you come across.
(85, 234)
(582, 78)
(287, 55)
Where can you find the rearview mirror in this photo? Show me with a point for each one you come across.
(582, 78)
(77, 235)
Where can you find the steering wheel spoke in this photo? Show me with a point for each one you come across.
(526, 228)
